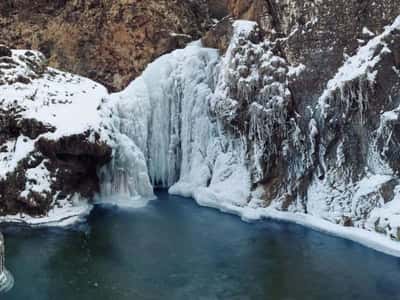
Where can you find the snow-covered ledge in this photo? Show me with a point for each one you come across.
(66, 213)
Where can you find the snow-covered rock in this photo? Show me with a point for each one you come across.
(51, 139)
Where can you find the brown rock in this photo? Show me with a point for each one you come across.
(219, 36)
(218, 8)
(108, 41)
(5, 51)
(72, 162)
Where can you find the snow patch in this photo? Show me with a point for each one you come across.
(361, 64)
(65, 213)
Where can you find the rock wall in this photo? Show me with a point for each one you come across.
(113, 41)
(314, 110)
(315, 33)
(108, 41)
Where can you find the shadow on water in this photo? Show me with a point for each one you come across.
(173, 249)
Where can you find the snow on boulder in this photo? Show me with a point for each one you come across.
(52, 136)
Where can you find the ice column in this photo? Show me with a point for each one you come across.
(6, 279)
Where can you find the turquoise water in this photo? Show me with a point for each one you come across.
(173, 249)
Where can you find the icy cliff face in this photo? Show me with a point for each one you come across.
(355, 116)
(227, 131)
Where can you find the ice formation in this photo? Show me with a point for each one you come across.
(172, 123)
(214, 128)
(167, 135)
(6, 279)
(162, 125)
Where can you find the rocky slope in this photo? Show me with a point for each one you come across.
(298, 111)
(109, 41)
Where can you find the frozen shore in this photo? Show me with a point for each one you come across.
(71, 214)
(379, 242)
(67, 214)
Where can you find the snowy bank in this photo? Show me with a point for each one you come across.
(65, 214)
(366, 238)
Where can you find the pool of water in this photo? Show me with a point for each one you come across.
(173, 249)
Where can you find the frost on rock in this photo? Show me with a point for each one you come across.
(254, 104)
(357, 121)
(357, 74)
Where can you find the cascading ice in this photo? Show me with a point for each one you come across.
(161, 124)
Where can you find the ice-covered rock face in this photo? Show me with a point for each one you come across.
(356, 117)
(228, 132)
(205, 125)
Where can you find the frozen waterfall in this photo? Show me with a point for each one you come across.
(166, 134)
(161, 125)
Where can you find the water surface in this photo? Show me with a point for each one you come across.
(173, 249)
